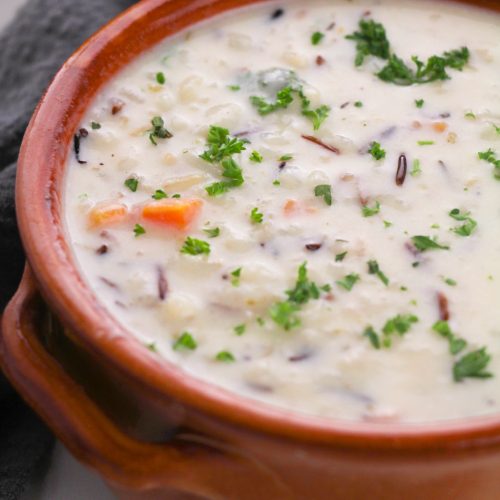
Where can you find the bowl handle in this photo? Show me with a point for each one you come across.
(96, 441)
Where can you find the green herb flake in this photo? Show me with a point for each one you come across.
(472, 365)
(158, 131)
(276, 183)
(372, 336)
(370, 211)
(348, 281)
(225, 357)
(358, 104)
(450, 281)
(376, 151)
(284, 314)
(491, 157)
(160, 78)
(387, 223)
(426, 143)
(193, 246)
(316, 37)
(470, 115)
(400, 324)
(373, 268)
(234, 88)
(340, 256)
(95, 125)
(240, 329)
(305, 289)
(256, 157)
(423, 243)
(496, 127)
(213, 232)
(371, 39)
(286, 158)
(220, 145)
(260, 321)
(469, 225)
(419, 103)
(231, 171)
(456, 344)
(236, 275)
(139, 230)
(159, 194)
(325, 191)
(255, 216)
(185, 342)
(151, 346)
(415, 168)
(132, 183)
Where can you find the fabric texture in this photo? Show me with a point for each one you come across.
(41, 37)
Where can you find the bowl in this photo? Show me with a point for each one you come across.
(148, 428)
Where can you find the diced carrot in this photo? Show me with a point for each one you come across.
(177, 213)
(290, 206)
(106, 214)
(439, 126)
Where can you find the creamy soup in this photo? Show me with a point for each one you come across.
(301, 204)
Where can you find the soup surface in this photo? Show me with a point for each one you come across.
(301, 204)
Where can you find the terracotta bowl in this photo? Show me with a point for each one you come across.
(147, 427)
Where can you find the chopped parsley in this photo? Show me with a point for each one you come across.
(470, 115)
(220, 145)
(132, 183)
(387, 224)
(212, 233)
(419, 103)
(450, 281)
(415, 168)
(423, 243)
(159, 194)
(472, 365)
(185, 341)
(456, 343)
(234, 88)
(340, 256)
(425, 143)
(304, 288)
(496, 127)
(358, 104)
(231, 171)
(400, 324)
(371, 39)
(158, 131)
(373, 268)
(491, 157)
(469, 225)
(256, 157)
(372, 336)
(225, 357)
(138, 230)
(95, 125)
(348, 281)
(193, 246)
(160, 78)
(370, 211)
(256, 217)
(324, 190)
(376, 151)
(240, 329)
(316, 37)
(284, 314)
(286, 158)
(276, 182)
(236, 275)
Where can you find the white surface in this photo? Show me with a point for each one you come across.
(66, 478)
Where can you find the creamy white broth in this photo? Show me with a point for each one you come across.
(326, 365)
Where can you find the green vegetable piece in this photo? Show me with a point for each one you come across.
(472, 365)
(212, 233)
(371, 39)
(372, 336)
(400, 324)
(132, 183)
(358, 104)
(370, 211)
(193, 246)
(234, 88)
(159, 194)
(256, 157)
(158, 131)
(373, 268)
(220, 145)
(305, 289)
(340, 256)
(348, 281)
(468, 227)
(139, 230)
(160, 78)
(425, 143)
(324, 190)
(415, 169)
(376, 151)
(456, 344)
(185, 342)
(419, 103)
(225, 357)
(240, 329)
(316, 37)
(284, 314)
(236, 274)
(255, 216)
(423, 243)
(95, 125)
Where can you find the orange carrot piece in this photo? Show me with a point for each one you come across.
(105, 214)
(439, 126)
(290, 207)
(177, 213)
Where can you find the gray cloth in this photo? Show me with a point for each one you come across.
(32, 48)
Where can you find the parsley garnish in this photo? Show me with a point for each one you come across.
(240, 329)
(400, 324)
(185, 341)
(234, 88)
(450, 281)
(286, 158)
(132, 184)
(95, 125)
(255, 216)
(415, 168)
(158, 131)
(469, 225)
(423, 243)
(373, 268)
(193, 246)
(472, 365)
(419, 103)
(456, 343)
(160, 78)
(490, 157)
(138, 230)
(256, 157)
(387, 223)
(212, 233)
(236, 275)
(358, 104)
(284, 314)
(324, 190)
(340, 256)
(276, 182)
(304, 288)
(159, 194)
(376, 151)
(348, 281)
(470, 115)
(425, 143)
(316, 37)
(225, 357)
(230, 170)
(372, 336)
(369, 212)
(221, 145)
(370, 40)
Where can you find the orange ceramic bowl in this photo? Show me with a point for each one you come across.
(151, 430)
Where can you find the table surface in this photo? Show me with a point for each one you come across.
(63, 478)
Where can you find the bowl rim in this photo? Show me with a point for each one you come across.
(45, 146)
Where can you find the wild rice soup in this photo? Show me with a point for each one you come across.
(301, 205)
